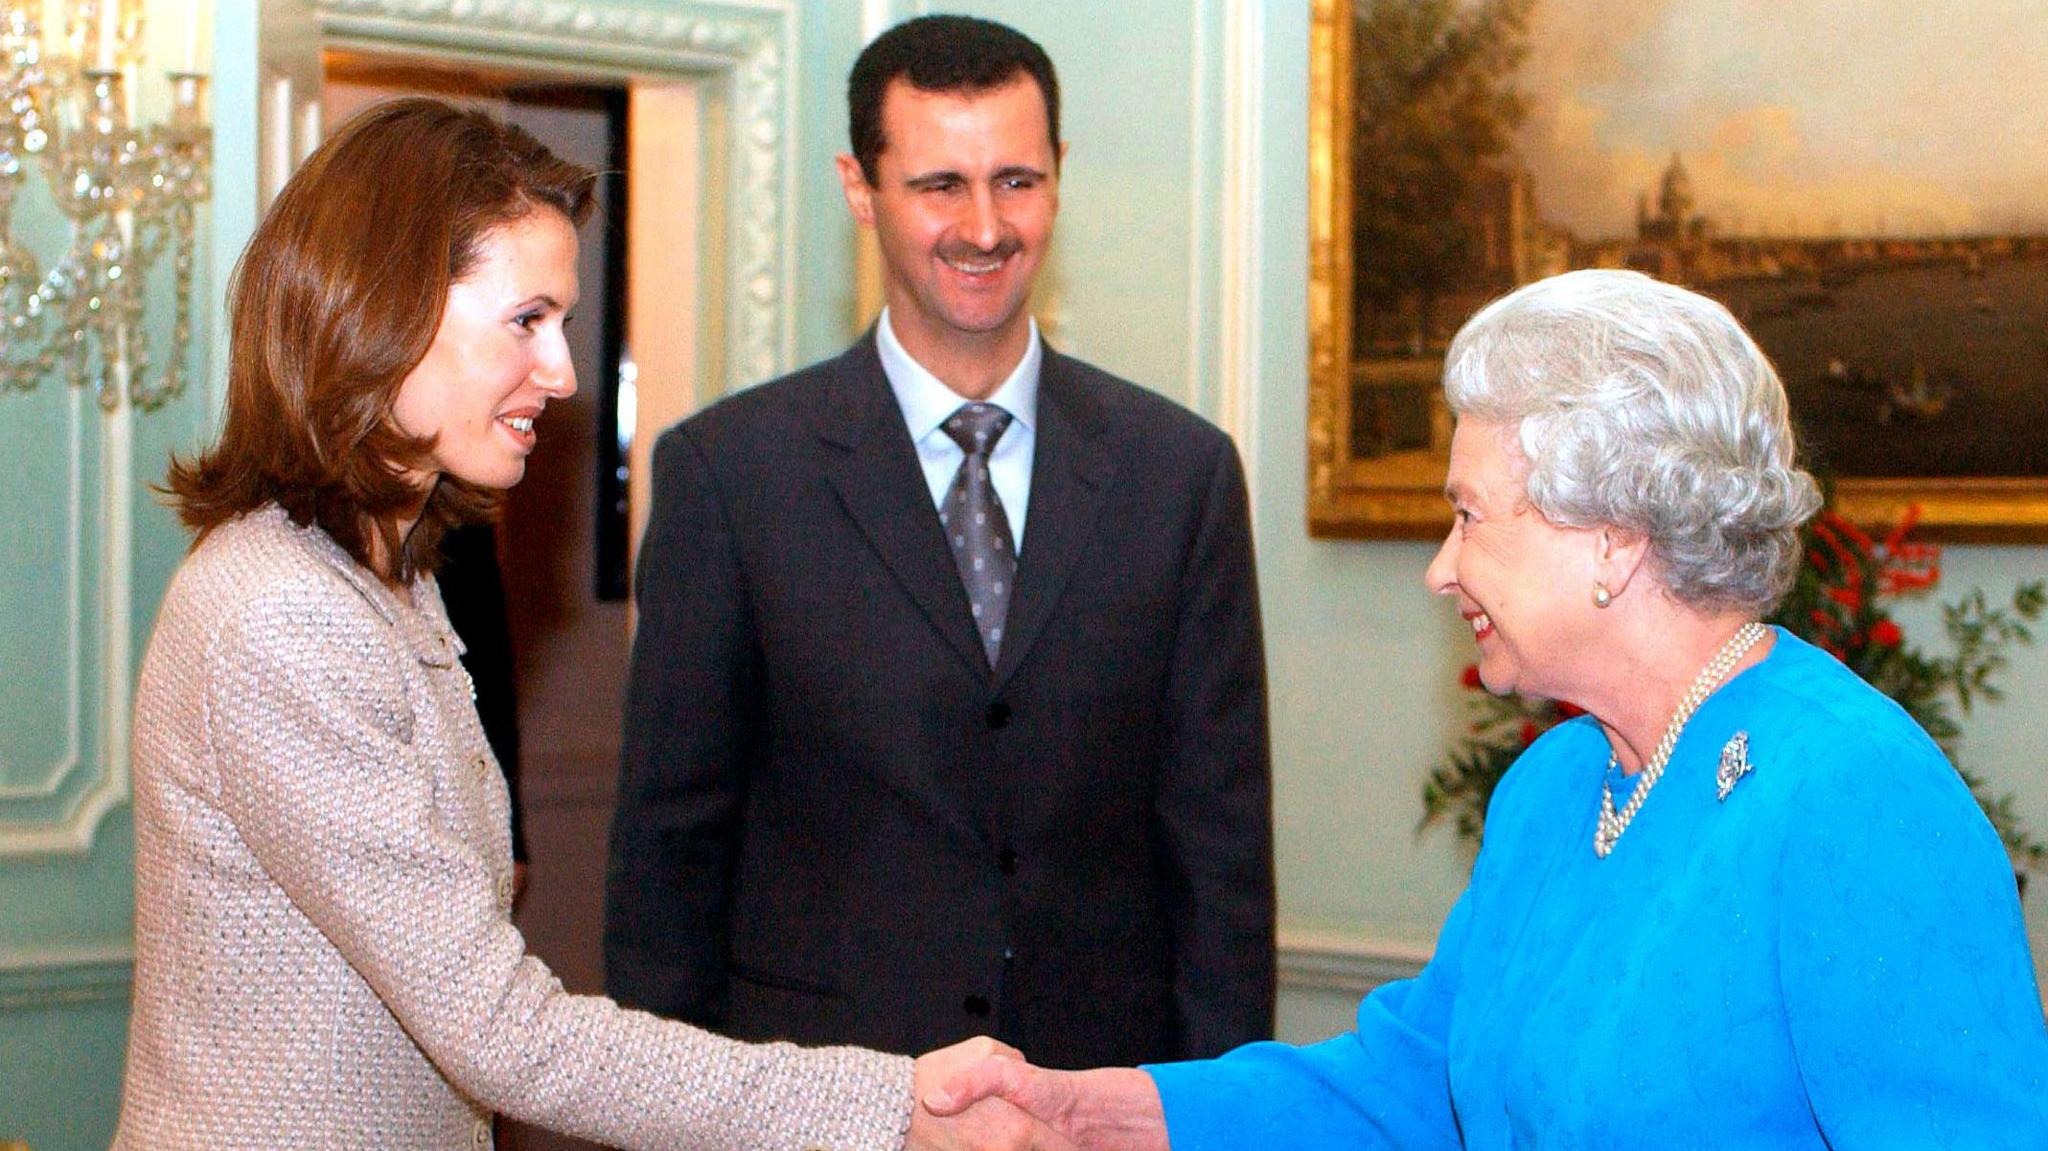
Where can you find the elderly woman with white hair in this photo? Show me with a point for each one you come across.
(1743, 902)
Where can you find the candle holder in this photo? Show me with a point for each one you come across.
(128, 194)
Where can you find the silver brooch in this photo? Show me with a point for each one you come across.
(1734, 764)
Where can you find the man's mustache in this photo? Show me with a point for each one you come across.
(970, 254)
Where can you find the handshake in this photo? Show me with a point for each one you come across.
(981, 1095)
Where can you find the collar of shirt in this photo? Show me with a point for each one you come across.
(926, 402)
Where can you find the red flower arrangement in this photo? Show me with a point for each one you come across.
(1839, 602)
(1847, 576)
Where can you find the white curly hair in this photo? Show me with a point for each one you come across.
(1643, 406)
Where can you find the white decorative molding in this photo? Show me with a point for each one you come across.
(1200, 172)
(750, 44)
(51, 977)
(1240, 327)
(1225, 333)
(56, 813)
(1354, 964)
(875, 15)
(15, 788)
(72, 832)
(117, 629)
(563, 31)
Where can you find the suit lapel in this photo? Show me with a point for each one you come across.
(873, 467)
(1071, 472)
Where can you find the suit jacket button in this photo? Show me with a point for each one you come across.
(998, 715)
(1006, 861)
(976, 1006)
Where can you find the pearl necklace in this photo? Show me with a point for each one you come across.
(1612, 824)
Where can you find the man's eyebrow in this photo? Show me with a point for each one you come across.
(949, 176)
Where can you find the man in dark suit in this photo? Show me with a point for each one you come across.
(948, 701)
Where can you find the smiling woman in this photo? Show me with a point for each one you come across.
(1503, 561)
(324, 953)
(498, 357)
(415, 239)
(1809, 923)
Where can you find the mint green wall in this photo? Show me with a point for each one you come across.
(1356, 649)
(60, 1081)
(828, 36)
(85, 550)
(1362, 659)
(2006, 741)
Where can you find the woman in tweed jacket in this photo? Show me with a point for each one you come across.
(324, 954)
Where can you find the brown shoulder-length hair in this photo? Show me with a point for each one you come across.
(336, 300)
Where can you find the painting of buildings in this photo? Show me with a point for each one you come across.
(1887, 246)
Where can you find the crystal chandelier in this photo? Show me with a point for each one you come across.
(127, 193)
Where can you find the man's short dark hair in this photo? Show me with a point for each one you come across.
(961, 54)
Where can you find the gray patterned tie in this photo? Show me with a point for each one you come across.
(975, 523)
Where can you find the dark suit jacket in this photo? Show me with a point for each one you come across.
(473, 588)
(837, 825)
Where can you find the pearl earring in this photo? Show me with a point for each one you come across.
(1601, 596)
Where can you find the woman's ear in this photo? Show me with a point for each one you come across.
(1618, 555)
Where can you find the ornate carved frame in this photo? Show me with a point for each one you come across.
(1347, 498)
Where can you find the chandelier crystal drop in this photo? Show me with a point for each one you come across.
(128, 194)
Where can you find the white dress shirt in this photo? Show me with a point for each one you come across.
(926, 402)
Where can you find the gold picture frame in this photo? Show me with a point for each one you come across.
(1397, 492)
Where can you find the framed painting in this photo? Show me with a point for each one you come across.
(1876, 214)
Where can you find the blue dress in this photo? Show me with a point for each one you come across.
(1831, 957)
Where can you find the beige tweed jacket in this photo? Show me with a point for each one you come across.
(324, 954)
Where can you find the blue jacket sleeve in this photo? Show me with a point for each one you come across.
(1899, 901)
(1384, 1084)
